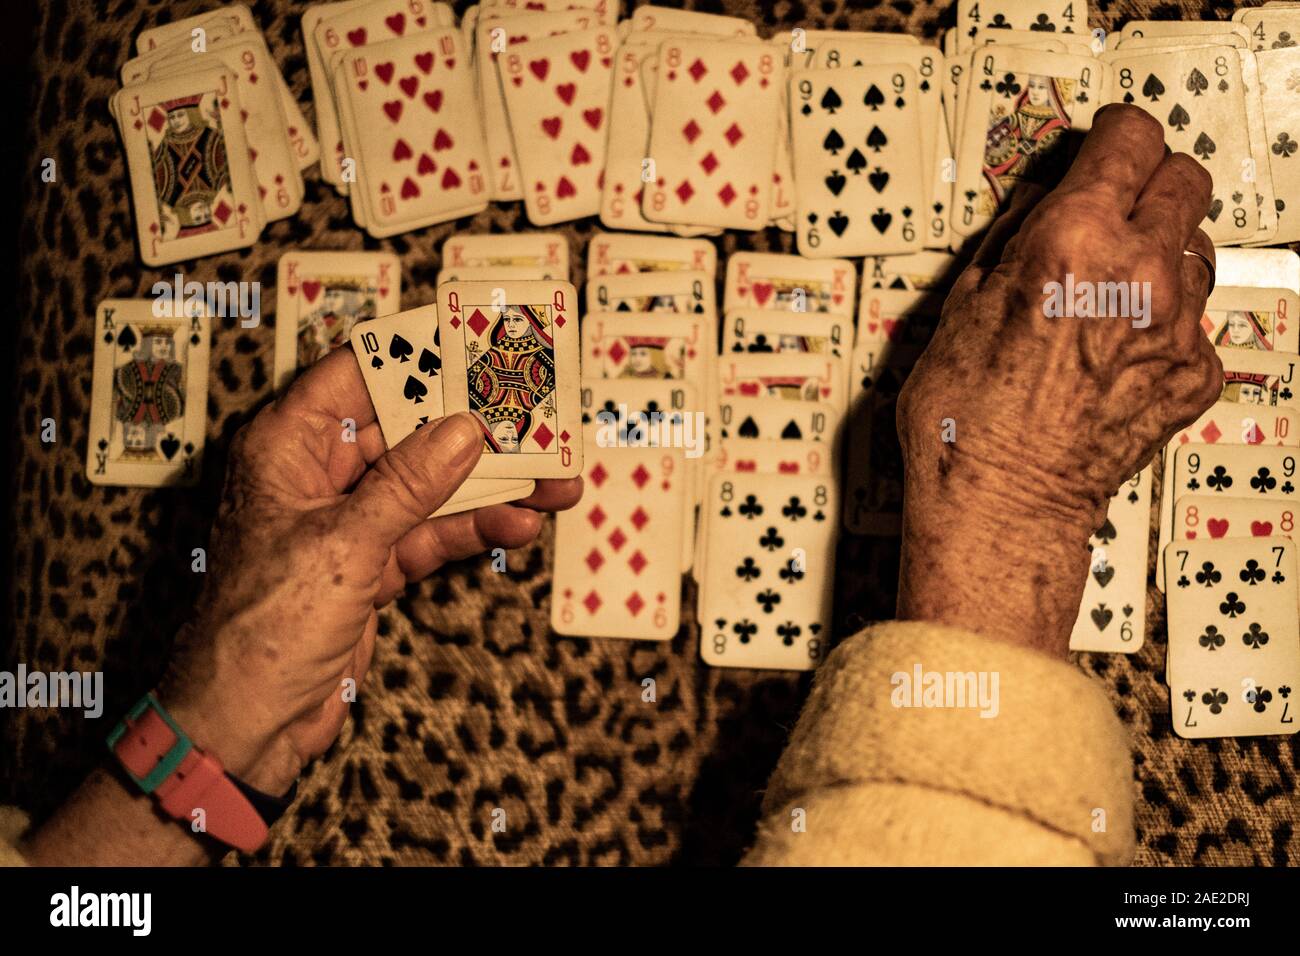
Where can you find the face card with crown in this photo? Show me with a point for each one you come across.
(149, 404)
(545, 250)
(510, 356)
(713, 138)
(765, 280)
(557, 93)
(799, 377)
(617, 551)
(612, 253)
(1238, 317)
(761, 331)
(631, 345)
(192, 181)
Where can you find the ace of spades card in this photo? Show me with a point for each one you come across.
(1112, 614)
(148, 411)
(768, 571)
(192, 180)
(1018, 120)
(1234, 637)
(510, 356)
(1199, 99)
(856, 135)
(1040, 16)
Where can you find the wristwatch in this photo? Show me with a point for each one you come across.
(163, 761)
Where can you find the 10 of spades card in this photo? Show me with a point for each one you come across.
(149, 403)
(510, 356)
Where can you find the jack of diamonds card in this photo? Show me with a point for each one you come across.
(192, 180)
(510, 355)
(713, 133)
(148, 410)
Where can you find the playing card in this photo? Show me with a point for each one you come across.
(1238, 317)
(1262, 473)
(634, 345)
(1279, 72)
(617, 551)
(1046, 16)
(713, 138)
(496, 273)
(546, 250)
(799, 377)
(320, 296)
(743, 417)
(606, 11)
(557, 92)
(1271, 27)
(149, 402)
(612, 253)
(192, 181)
(671, 20)
(1258, 378)
(1234, 649)
(769, 568)
(757, 331)
(510, 355)
(1112, 613)
(918, 271)
(681, 291)
(764, 280)
(1205, 516)
(1258, 268)
(1021, 108)
(1181, 29)
(774, 456)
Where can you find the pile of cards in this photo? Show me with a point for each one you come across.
(215, 142)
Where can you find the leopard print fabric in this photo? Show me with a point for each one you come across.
(472, 704)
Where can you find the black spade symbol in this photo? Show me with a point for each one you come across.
(1106, 533)
(792, 431)
(835, 183)
(879, 179)
(876, 139)
(806, 110)
(856, 161)
(1197, 83)
(127, 339)
(881, 220)
(831, 100)
(1152, 89)
(1178, 118)
(1101, 616)
(169, 446)
(874, 97)
(838, 223)
(1128, 97)
(1204, 147)
(748, 428)
(833, 142)
(376, 362)
(400, 349)
(415, 390)
(103, 444)
(430, 363)
(189, 448)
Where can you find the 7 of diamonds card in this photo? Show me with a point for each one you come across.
(510, 356)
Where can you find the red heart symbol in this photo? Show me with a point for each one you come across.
(581, 59)
(517, 80)
(424, 61)
(746, 466)
(749, 389)
(449, 179)
(363, 84)
(1191, 534)
(565, 91)
(451, 62)
(564, 189)
(426, 165)
(1217, 527)
(401, 151)
(551, 126)
(579, 156)
(394, 110)
(762, 292)
(409, 189)
(891, 326)
(1261, 529)
(396, 23)
(540, 68)
(357, 37)
(788, 467)
(310, 290)
(385, 72)
(441, 141)
(593, 117)
(409, 85)
(433, 100)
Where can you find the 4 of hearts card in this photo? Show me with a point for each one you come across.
(510, 355)
(149, 403)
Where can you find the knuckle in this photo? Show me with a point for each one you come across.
(1192, 174)
(1135, 126)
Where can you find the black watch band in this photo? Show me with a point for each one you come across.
(269, 808)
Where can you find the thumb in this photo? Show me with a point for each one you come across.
(412, 481)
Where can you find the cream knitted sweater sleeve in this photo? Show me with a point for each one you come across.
(876, 774)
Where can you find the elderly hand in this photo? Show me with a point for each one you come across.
(1052, 414)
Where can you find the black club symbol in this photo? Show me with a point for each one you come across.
(788, 632)
(750, 508)
(999, 22)
(1288, 488)
(1285, 146)
(1208, 575)
(794, 510)
(744, 630)
(1278, 577)
(1193, 485)
(1008, 86)
(1283, 41)
(1231, 605)
(771, 541)
(1189, 695)
(1261, 701)
(1255, 638)
(768, 599)
(1212, 639)
(1284, 691)
(1214, 699)
(1041, 23)
(1219, 480)
(748, 571)
(1252, 573)
(790, 573)
(1183, 582)
(1263, 482)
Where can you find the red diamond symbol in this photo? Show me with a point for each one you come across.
(1211, 433)
(477, 322)
(637, 562)
(617, 539)
(640, 476)
(733, 134)
(157, 119)
(222, 212)
(543, 435)
(691, 131)
(596, 516)
(455, 321)
(715, 102)
(739, 73)
(634, 604)
(697, 70)
(594, 560)
(684, 191)
(726, 194)
(564, 436)
(639, 518)
(598, 475)
(591, 602)
(709, 162)
(616, 352)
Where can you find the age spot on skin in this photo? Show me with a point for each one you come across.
(338, 578)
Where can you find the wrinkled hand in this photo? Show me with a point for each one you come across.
(313, 535)
(1053, 414)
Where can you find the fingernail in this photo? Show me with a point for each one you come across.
(458, 438)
